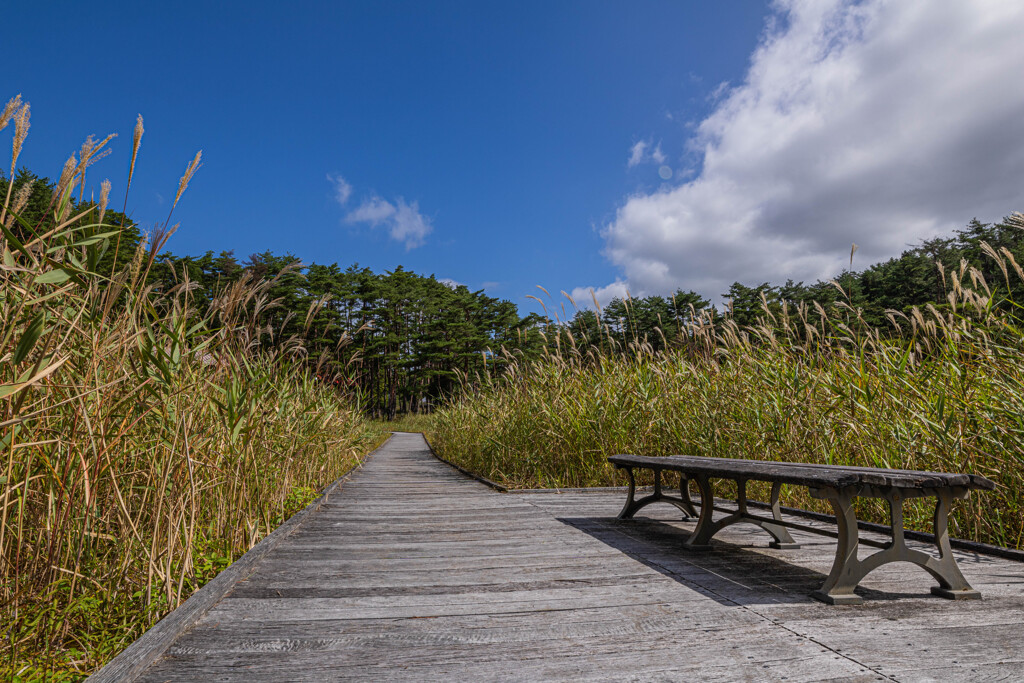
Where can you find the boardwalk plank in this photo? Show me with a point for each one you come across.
(415, 572)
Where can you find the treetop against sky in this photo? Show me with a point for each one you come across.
(644, 144)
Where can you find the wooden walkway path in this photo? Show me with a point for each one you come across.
(412, 571)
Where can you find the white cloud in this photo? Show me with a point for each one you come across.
(403, 221)
(879, 122)
(449, 283)
(585, 296)
(373, 211)
(636, 154)
(641, 152)
(720, 91)
(342, 188)
(409, 225)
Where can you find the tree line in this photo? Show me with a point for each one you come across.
(401, 341)
(398, 341)
(923, 274)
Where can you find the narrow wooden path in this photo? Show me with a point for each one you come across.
(412, 571)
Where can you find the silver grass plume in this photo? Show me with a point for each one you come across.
(185, 179)
(104, 198)
(8, 112)
(20, 200)
(136, 141)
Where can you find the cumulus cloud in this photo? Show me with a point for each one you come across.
(586, 296)
(879, 122)
(342, 188)
(403, 221)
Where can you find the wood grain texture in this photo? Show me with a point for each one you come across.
(143, 652)
(415, 572)
(803, 474)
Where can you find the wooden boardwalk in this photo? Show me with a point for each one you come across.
(413, 571)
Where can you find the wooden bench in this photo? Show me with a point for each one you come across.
(840, 486)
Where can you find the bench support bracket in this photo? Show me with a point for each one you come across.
(707, 527)
(633, 506)
(848, 570)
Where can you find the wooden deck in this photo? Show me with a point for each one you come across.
(413, 571)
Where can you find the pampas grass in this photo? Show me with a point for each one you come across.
(941, 388)
(143, 444)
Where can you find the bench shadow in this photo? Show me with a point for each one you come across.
(733, 572)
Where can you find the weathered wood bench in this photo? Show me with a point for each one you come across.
(836, 484)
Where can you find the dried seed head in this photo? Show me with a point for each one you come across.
(65, 176)
(12, 106)
(22, 197)
(136, 141)
(185, 179)
(104, 198)
(1014, 220)
(138, 257)
(137, 136)
(1013, 262)
(21, 125)
(91, 151)
(86, 150)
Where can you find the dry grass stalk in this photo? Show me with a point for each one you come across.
(132, 469)
(941, 389)
(187, 178)
(21, 116)
(12, 106)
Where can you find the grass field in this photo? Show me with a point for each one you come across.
(145, 445)
(147, 442)
(806, 385)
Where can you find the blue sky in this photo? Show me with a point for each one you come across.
(505, 145)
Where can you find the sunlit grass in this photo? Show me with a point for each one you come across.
(946, 394)
(408, 422)
(145, 445)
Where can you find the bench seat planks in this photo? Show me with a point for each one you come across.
(837, 484)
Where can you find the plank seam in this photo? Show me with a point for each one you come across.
(923, 536)
(471, 475)
(770, 621)
(152, 644)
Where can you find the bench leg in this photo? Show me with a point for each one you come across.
(684, 493)
(630, 508)
(633, 506)
(701, 537)
(848, 571)
(846, 568)
(782, 539)
(952, 583)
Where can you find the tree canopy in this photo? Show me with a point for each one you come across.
(401, 341)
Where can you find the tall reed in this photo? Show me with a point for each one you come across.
(144, 445)
(941, 389)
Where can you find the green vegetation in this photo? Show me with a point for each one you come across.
(917, 278)
(147, 437)
(939, 387)
(162, 414)
(409, 422)
(400, 340)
